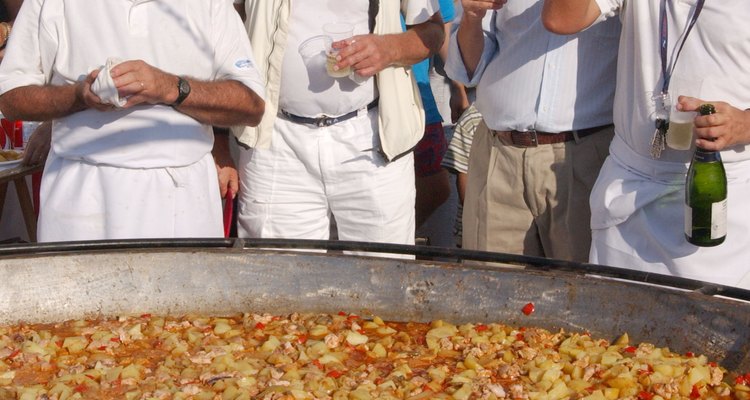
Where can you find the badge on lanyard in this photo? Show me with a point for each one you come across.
(662, 101)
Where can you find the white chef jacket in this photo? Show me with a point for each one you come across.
(637, 203)
(60, 41)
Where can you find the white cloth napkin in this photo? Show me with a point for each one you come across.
(104, 86)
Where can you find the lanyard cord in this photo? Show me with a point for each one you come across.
(666, 71)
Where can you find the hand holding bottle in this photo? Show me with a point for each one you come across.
(728, 127)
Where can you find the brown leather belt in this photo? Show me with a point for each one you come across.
(536, 138)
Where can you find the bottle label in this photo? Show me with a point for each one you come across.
(719, 219)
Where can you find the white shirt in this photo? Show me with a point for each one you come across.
(529, 78)
(309, 91)
(60, 42)
(715, 57)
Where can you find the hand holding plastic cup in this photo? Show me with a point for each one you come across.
(337, 31)
(680, 132)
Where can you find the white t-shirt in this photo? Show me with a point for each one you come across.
(715, 58)
(310, 91)
(60, 42)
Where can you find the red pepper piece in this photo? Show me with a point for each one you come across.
(695, 393)
(334, 374)
(14, 354)
(646, 372)
(630, 349)
(644, 395)
(301, 338)
(260, 326)
(481, 328)
(528, 309)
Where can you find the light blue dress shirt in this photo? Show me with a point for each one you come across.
(529, 78)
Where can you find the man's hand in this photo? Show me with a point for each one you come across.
(37, 148)
(89, 98)
(141, 83)
(227, 173)
(366, 54)
(729, 126)
(370, 54)
(475, 10)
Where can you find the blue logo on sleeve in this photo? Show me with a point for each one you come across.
(243, 64)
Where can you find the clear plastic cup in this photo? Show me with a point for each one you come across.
(314, 51)
(337, 31)
(680, 132)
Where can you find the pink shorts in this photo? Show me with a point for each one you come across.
(430, 150)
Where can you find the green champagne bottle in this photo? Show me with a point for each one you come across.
(706, 196)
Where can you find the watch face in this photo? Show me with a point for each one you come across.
(183, 88)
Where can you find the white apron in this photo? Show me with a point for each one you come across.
(637, 220)
(82, 201)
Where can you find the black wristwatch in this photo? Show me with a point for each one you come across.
(183, 88)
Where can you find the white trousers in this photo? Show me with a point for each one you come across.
(637, 209)
(81, 201)
(309, 173)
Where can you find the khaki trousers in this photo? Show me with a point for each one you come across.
(535, 200)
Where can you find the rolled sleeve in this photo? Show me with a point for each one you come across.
(609, 8)
(454, 66)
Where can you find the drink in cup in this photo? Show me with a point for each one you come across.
(337, 31)
(680, 133)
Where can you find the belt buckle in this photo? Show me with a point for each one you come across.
(534, 138)
(531, 135)
(325, 121)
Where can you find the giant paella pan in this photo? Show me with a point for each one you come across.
(294, 315)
